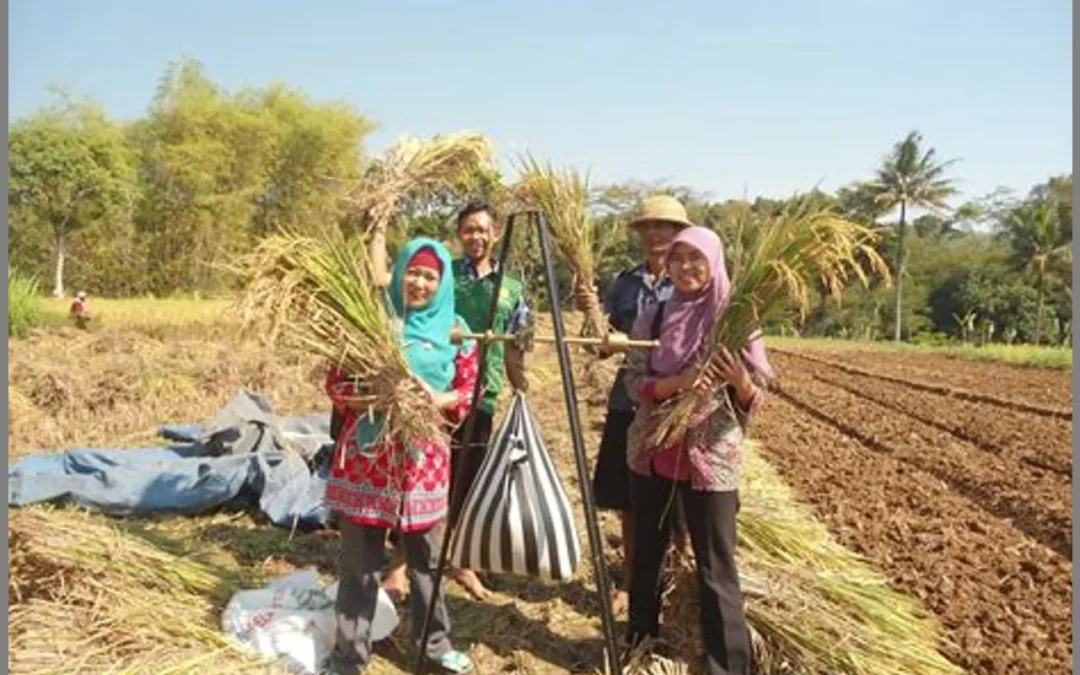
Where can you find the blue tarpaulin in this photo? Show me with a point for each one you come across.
(245, 457)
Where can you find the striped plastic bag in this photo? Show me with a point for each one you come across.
(516, 518)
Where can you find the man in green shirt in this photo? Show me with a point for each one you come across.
(474, 282)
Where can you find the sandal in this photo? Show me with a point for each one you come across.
(455, 662)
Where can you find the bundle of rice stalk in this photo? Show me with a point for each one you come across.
(86, 596)
(562, 195)
(805, 628)
(816, 585)
(415, 167)
(779, 262)
(825, 609)
(774, 526)
(319, 294)
(643, 659)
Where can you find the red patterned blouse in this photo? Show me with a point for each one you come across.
(389, 487)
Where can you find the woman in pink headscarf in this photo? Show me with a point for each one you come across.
(703, 471)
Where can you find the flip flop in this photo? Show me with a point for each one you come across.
(455, 662)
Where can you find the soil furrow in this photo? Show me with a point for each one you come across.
(1040, 506)
(978, 397)
(1039, 386)
(1044, 444)
(1004, 600)
(881, 400)
(1065, 471)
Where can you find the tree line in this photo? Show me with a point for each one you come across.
(162, 204)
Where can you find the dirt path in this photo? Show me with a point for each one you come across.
(1004, 599)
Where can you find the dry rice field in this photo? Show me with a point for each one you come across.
(953, 477)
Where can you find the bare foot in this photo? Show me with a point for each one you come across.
(684, 557)
(396, 584)
(620, 604)
(471, 583)
(683, 550)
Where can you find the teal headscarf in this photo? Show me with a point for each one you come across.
(425, 330)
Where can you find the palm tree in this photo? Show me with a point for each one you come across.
(910, 177)
(1042, 248)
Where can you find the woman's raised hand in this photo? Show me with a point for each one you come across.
(724, 368)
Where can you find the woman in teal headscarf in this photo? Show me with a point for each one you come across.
(387, 487)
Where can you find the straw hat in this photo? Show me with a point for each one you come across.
(664, 208)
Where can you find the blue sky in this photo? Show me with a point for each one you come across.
(720, 96)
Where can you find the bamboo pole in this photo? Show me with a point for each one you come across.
(615, 342)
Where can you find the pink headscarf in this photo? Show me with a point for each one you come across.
(689, 318)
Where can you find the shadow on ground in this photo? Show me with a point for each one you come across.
(508, 634)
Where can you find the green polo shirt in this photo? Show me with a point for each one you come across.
(472, 300)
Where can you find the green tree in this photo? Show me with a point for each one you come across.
(313, 155)
(205, 162)
(965, 217)
(858, 202)
(221, 170)
(69, 167)
(1042, 249)
(910, 177)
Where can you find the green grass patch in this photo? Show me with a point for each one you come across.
(24, 305)
(1033, 356)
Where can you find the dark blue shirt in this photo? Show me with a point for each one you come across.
(633, 291)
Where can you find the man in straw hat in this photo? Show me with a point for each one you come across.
(659, 219)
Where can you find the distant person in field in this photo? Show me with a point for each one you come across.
(702, 472)
(391, 489)
(80, 311)
(634, 291)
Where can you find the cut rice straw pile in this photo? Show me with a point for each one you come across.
(319, 294)
(562, 195)
(414, 167)
(124, 604)
(826, 610)
(780, 260)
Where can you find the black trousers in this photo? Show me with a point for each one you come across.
(611, 478)
(467, 460)
(710, 517)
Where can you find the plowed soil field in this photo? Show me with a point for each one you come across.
(965, 501)
(1037, 385)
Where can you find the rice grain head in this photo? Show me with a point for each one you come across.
(562, 195)
(414, 167)
(318, 294)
